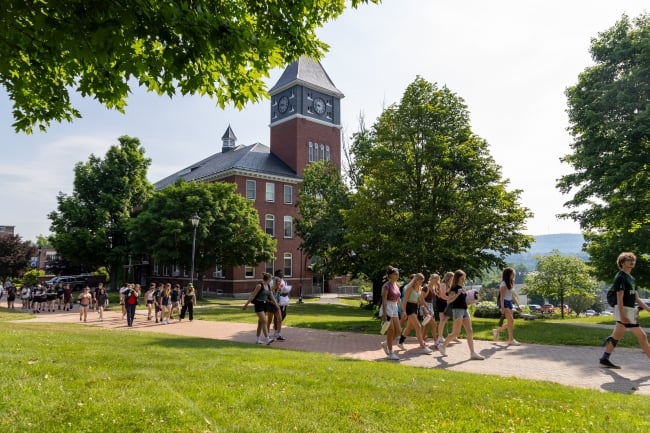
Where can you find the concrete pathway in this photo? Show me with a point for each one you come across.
(575, 366)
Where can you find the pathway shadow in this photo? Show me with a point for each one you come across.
(621, 384)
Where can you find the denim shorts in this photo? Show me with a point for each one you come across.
(459, 313)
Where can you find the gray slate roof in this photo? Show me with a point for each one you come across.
(255, 158)
(305, 71)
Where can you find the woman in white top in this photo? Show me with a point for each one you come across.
(506, 301)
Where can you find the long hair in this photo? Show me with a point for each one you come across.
(457, 275)
(508, 277)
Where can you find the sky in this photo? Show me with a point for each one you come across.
(509, 60)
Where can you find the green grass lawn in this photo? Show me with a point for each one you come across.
(66, 378)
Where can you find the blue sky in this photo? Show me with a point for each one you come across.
(509, 60)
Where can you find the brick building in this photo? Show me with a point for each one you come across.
(305, 126)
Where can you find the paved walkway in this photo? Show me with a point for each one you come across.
(568, 365)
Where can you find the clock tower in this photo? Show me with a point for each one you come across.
(305, 116)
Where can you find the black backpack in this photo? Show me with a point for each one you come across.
(611, 297)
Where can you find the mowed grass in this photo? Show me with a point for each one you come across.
(68, 378)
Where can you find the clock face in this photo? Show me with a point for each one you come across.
(319, 106)
(283, 104)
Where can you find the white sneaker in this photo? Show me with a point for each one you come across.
(269, 340)
(514, 342)
(258, 341)
(401, 346)
(426, 350)
(385, 347)
(393, 356)
(440, 340)
(495, 334)
(476, 357)
(442, 350)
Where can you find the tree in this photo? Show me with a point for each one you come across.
(90, 227)
(559, 278)
(609, 119)
(15, 256)
(223, 49)
(321, 197)
(429, 197)
(229, 232)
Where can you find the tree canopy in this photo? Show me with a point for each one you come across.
(559, 277)
(90, 227)
(228, 234)
(429, 197)
(609, 114)
(15, 255)
(222, 49)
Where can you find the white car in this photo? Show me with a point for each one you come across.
(590, 313)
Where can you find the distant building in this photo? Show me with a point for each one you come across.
(7, 230)
(305, 126)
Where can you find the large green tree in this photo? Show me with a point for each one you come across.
(321, 198)
(90, 227)
(559, 277)
(223, 49)
(609, 114)
(228, 234)
(15, 255)
(429, 197)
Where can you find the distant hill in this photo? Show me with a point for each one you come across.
(568, 244)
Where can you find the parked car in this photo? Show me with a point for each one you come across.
(366, 296)
(547, 308)
(534, 308)
(589, 313)
(606, 313)
(77, 282)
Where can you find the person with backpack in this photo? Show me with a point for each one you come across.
(260, 298)
(624, 297)
(11, 296)
(505, 302)
(411, 303)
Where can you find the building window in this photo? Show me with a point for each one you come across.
(165, 271)
(288, 194)
(270, 191)
(311, 152)
(218, 271)
(288, 227)
(327, 153)
(249, 271)
(288, 264)
(155, 269)
(269, 267)
(250, 189)
(269, 225)
(322, 151)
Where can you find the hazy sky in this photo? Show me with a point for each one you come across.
(509, 60)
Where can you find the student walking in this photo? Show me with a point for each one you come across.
(149, 300)
(166, 304)
(188, 301)
(131, 302)
(460, 316)
(260, 297)
(102, 298)
(625, 312)
(390, 296)
(410, 305)
(427, 312)
(444, 313)
(506, 301)
(85, 299)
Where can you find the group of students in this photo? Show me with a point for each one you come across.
(270, 299)
(162, 300)
(41, 298)
(445, 296)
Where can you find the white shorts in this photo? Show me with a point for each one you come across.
(630, 314)
(391, 309)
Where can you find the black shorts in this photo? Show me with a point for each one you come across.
(441, 304)
(270, 308)
(260, 306)
(411, 308)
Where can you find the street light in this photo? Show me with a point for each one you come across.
(195, 222)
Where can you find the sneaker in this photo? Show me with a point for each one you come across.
(393, 356)
(258, 341)
(385, 347)
(514, 342)
(476, 357)
(434, 346)
(440, 340)
(607, 363)
(426, 350)
(401, 346)
(269, 340)
(280, 338)
(495, 334)
(442, 350)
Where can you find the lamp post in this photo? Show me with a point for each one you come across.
(195, 222)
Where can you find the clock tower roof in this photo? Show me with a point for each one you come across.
(309, 73)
